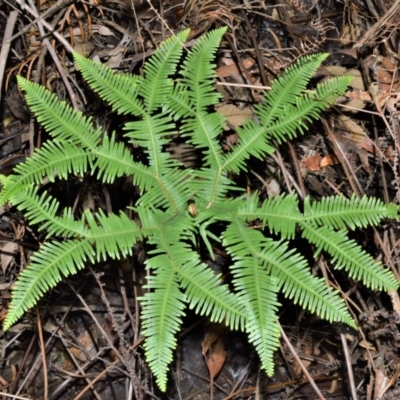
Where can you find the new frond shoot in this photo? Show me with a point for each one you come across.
(179, 205)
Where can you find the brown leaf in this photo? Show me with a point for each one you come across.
(313, 162)
(231, 70)
(216, 359)
(235, 115)
(213, 349)
(7, 259)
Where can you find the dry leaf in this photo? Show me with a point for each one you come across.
(328, 160)
(313, 162)
(231, 70)
(216, 359)
(7, 259)
(213, 349)
(235, 115)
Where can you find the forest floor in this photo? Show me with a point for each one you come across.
(353, 149)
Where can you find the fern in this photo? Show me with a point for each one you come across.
(178, 206)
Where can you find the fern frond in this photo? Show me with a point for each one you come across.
(114, 235)
(211, 186)
(347, 255)
(253, 141)
(11, 185)
(119, 90)
(180, 207)
(172, 190)
(290, 270)
(297, 283)
(202, 131)
(338, 212)
(157, 83)
(307, 107)
(59, 119)
(280, 213)
(162, 311)
(53, 159)
(46, 269)
(113, 160)
(286, 89)
(205, 293)
(43, 209)
(151, 133)
(198, 71)
(258, 291)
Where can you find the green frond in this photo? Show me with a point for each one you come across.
(280, 213)
(53, 159)
(162, 311)
(198, 71)
(290, 269)
(54, 261)
(202, 132)
(151, 133)
(113, 159)
(43, 209)
(180, 104)
(114, 235)
(258, 291)
(11, 185)
(338, 212)
(297, 283)
(59, 119)
(171, 190)
(211, 186)
(151, 130)
(164, 228)
(157, 83)
(308, 107)
(347, 255)
(253, 141)
(329, 90)
(204, 290)
(286, 89)
(119, 90)
(392, 211)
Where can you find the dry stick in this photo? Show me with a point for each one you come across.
(302, 366)
(300, 180)
(22, 366)
(357, 189)
(46, 25)
(349, 366)
(43, 354)
(264, 78)
(48, 13)
(371, 34)
(81, 369)
(57, 62)
(38, 357)
(85, 389)
(5, 48)
(12, 396)
(130, 366)
(101, 329)
(99, 376)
